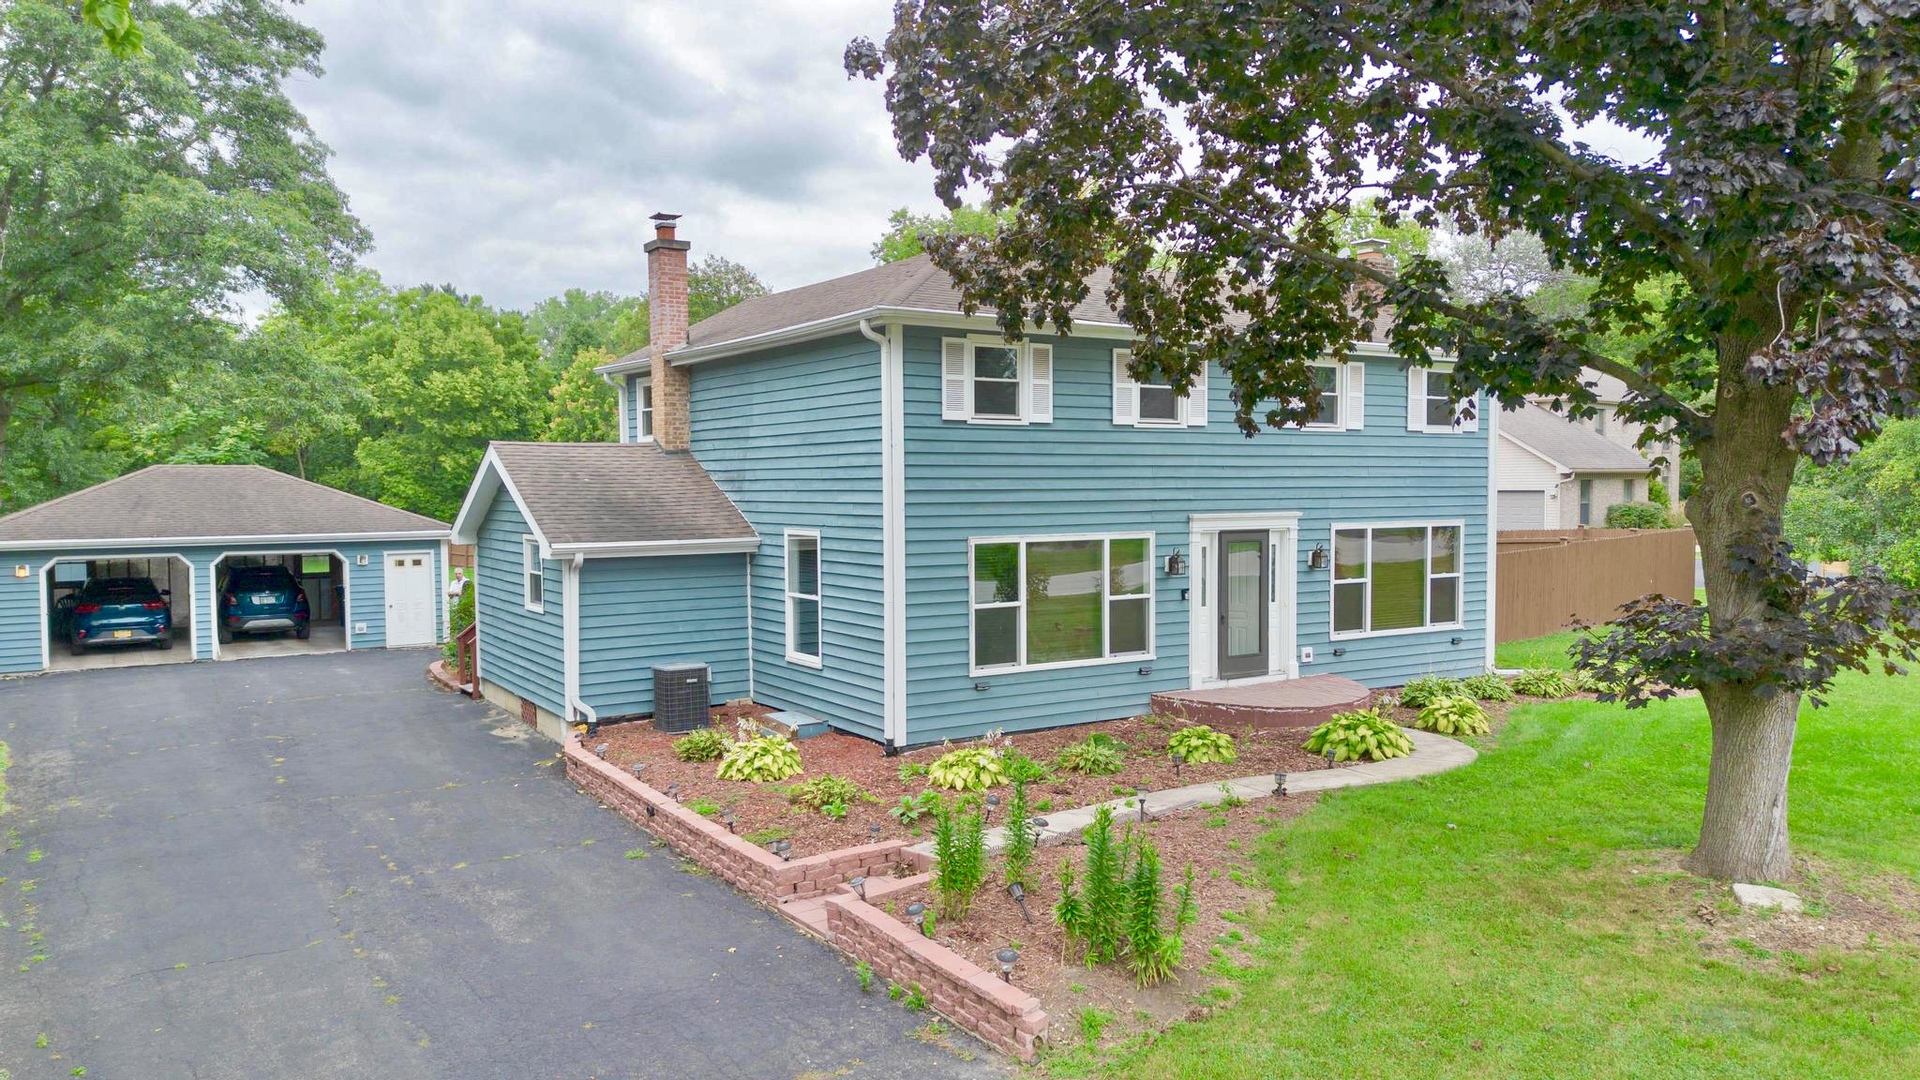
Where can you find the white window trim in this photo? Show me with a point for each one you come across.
(1426, 595)
(532, 567)
(1033, 396)
(819, 603)
(643, 410)
(1185, 415)
(1466, 412)
(1152, 597)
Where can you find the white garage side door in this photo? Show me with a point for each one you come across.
(1523, 510)
(409, 598)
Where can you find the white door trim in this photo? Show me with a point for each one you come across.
(1283, 546)
(346, 594)
(386, 593)
(193, 598)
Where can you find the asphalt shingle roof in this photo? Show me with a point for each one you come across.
(187, 502)
(910, 283)
(618, 493)
(1569, 444)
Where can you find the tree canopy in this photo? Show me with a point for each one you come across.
(1203, 149)
(907, 231)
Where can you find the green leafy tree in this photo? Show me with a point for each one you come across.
(584, 407)
(449, 376)
(1866, 512)
(141, 192)
(578, 319)
(715, 284)
(1200, 149)
(907, 231)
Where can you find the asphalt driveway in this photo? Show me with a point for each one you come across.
(320, 867)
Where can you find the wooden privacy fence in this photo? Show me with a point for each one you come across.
(1550, 577)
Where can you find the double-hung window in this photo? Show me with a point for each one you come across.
(1046, 602)
(987, 380)
(1147, 404)
(643, 411)
(1395, 578)
(533, 575)
(803, 597)
(1430, 404)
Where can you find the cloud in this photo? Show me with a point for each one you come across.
(515, 148)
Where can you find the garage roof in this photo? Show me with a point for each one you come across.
(1568, 444)
(208, 504)
(608, 499)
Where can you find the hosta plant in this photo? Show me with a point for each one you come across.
(1363, 733)
(1488, 687)
(822, 792)
(1200, 744)
(1095, 755)
(762, 759)
(703, 745)
(968, 768)
(1544, 682)
(1456, 714)
(1422, 691)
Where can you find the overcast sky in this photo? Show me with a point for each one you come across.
(515, 148)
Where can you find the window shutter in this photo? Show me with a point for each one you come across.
(1126, 392)
(1197, 399)
(1040, 384)
(1354, 409)
(1416, 399)
(955, 387)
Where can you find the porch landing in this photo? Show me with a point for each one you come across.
(1288, 703)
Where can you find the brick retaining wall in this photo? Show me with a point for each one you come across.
(976, 1000)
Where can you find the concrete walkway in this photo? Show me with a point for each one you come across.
(1431, 754)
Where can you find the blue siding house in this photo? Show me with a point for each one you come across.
(915, 530)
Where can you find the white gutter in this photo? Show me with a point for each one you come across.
(893, 531)
(636, 548)
(224, 541)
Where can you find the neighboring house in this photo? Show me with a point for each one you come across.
(1606, 422)
(1554, 473)
(853, 501)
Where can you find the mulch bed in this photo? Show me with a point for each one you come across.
(1217, 842)
(761, 809)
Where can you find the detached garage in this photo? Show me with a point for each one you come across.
(208, 562)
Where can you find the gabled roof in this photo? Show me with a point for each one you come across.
(1567, 444)
(910, 285)
(208, 503)
(607, 499)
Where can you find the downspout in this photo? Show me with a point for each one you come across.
(1493, 532)
(570, 645)
(750, 690)
(893, 629)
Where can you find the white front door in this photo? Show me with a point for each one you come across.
(409, 598)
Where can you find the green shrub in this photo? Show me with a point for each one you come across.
(1023, 769)
(967, 768)
(1657, 493)
(1154, 948)
(1364, 733)
(960, 856)
(914, 807)
(1637, 515)
(459, 618)
(1455, 715)
(1488, 687)
(1017, 852)
(1117, 909)
(1544, 682)
(1422, 691)
(703, 745)
(822, 793)
(1201, 745)
(705, 807)
(912, 770)
(1095, 755)
(762, 759)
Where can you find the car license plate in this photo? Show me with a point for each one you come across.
(263, 598)
(123, 633)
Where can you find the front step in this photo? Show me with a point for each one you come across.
(1284, 704)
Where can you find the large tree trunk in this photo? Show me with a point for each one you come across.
(1746, 469)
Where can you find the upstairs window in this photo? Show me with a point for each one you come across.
(1430, 405)
(1395, 579)
(643, 411)
(987, 380)
(1343, 388)
(803, 597)
(1145, 404)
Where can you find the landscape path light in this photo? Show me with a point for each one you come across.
(859, 885)
(1007, 958)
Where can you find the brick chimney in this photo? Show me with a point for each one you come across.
(1374, 253)
(666, 331)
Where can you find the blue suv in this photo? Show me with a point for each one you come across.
(115, 611)
(263, 600)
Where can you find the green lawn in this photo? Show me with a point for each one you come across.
(1541, 652)
(1521, 917)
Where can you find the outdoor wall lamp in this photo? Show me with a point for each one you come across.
(1176, 564)
(1317, 559)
